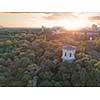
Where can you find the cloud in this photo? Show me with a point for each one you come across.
(94, 18)
(57, 16)
(15, 12)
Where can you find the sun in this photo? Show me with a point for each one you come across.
(74, 24)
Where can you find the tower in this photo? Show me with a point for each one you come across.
(68, 53)
(43, 29)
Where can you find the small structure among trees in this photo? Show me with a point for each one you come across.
(68, 53)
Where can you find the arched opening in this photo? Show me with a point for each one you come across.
(65, 54)
(70, 55)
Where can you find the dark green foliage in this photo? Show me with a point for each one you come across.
(29, 59)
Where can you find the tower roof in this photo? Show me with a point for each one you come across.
(69, 47)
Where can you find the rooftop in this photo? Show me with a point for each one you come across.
(69, 47)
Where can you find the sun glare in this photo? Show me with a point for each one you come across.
(70, 21)
(74, 24)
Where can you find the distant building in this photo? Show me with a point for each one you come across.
(98, 29)
(91, 32)
(91, 38)
(56, 32)
(94, 27)
(88, 32)
(68, 53)
(43, 28)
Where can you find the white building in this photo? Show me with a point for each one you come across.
(43, 28)
(68, 53)
(91, 38)
(56, 32)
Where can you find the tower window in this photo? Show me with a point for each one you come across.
(65, 53)
(70, 55)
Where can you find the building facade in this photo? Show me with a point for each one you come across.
(68, 53)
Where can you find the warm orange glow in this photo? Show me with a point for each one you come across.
(68, 20)
(75, 24)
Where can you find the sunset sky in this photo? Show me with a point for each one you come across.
(67, 19)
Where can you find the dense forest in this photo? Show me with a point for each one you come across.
(29, 59)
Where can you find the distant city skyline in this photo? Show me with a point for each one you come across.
(68, 20)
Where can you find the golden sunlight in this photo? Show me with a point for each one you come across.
(74, 24)
(71, 21)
